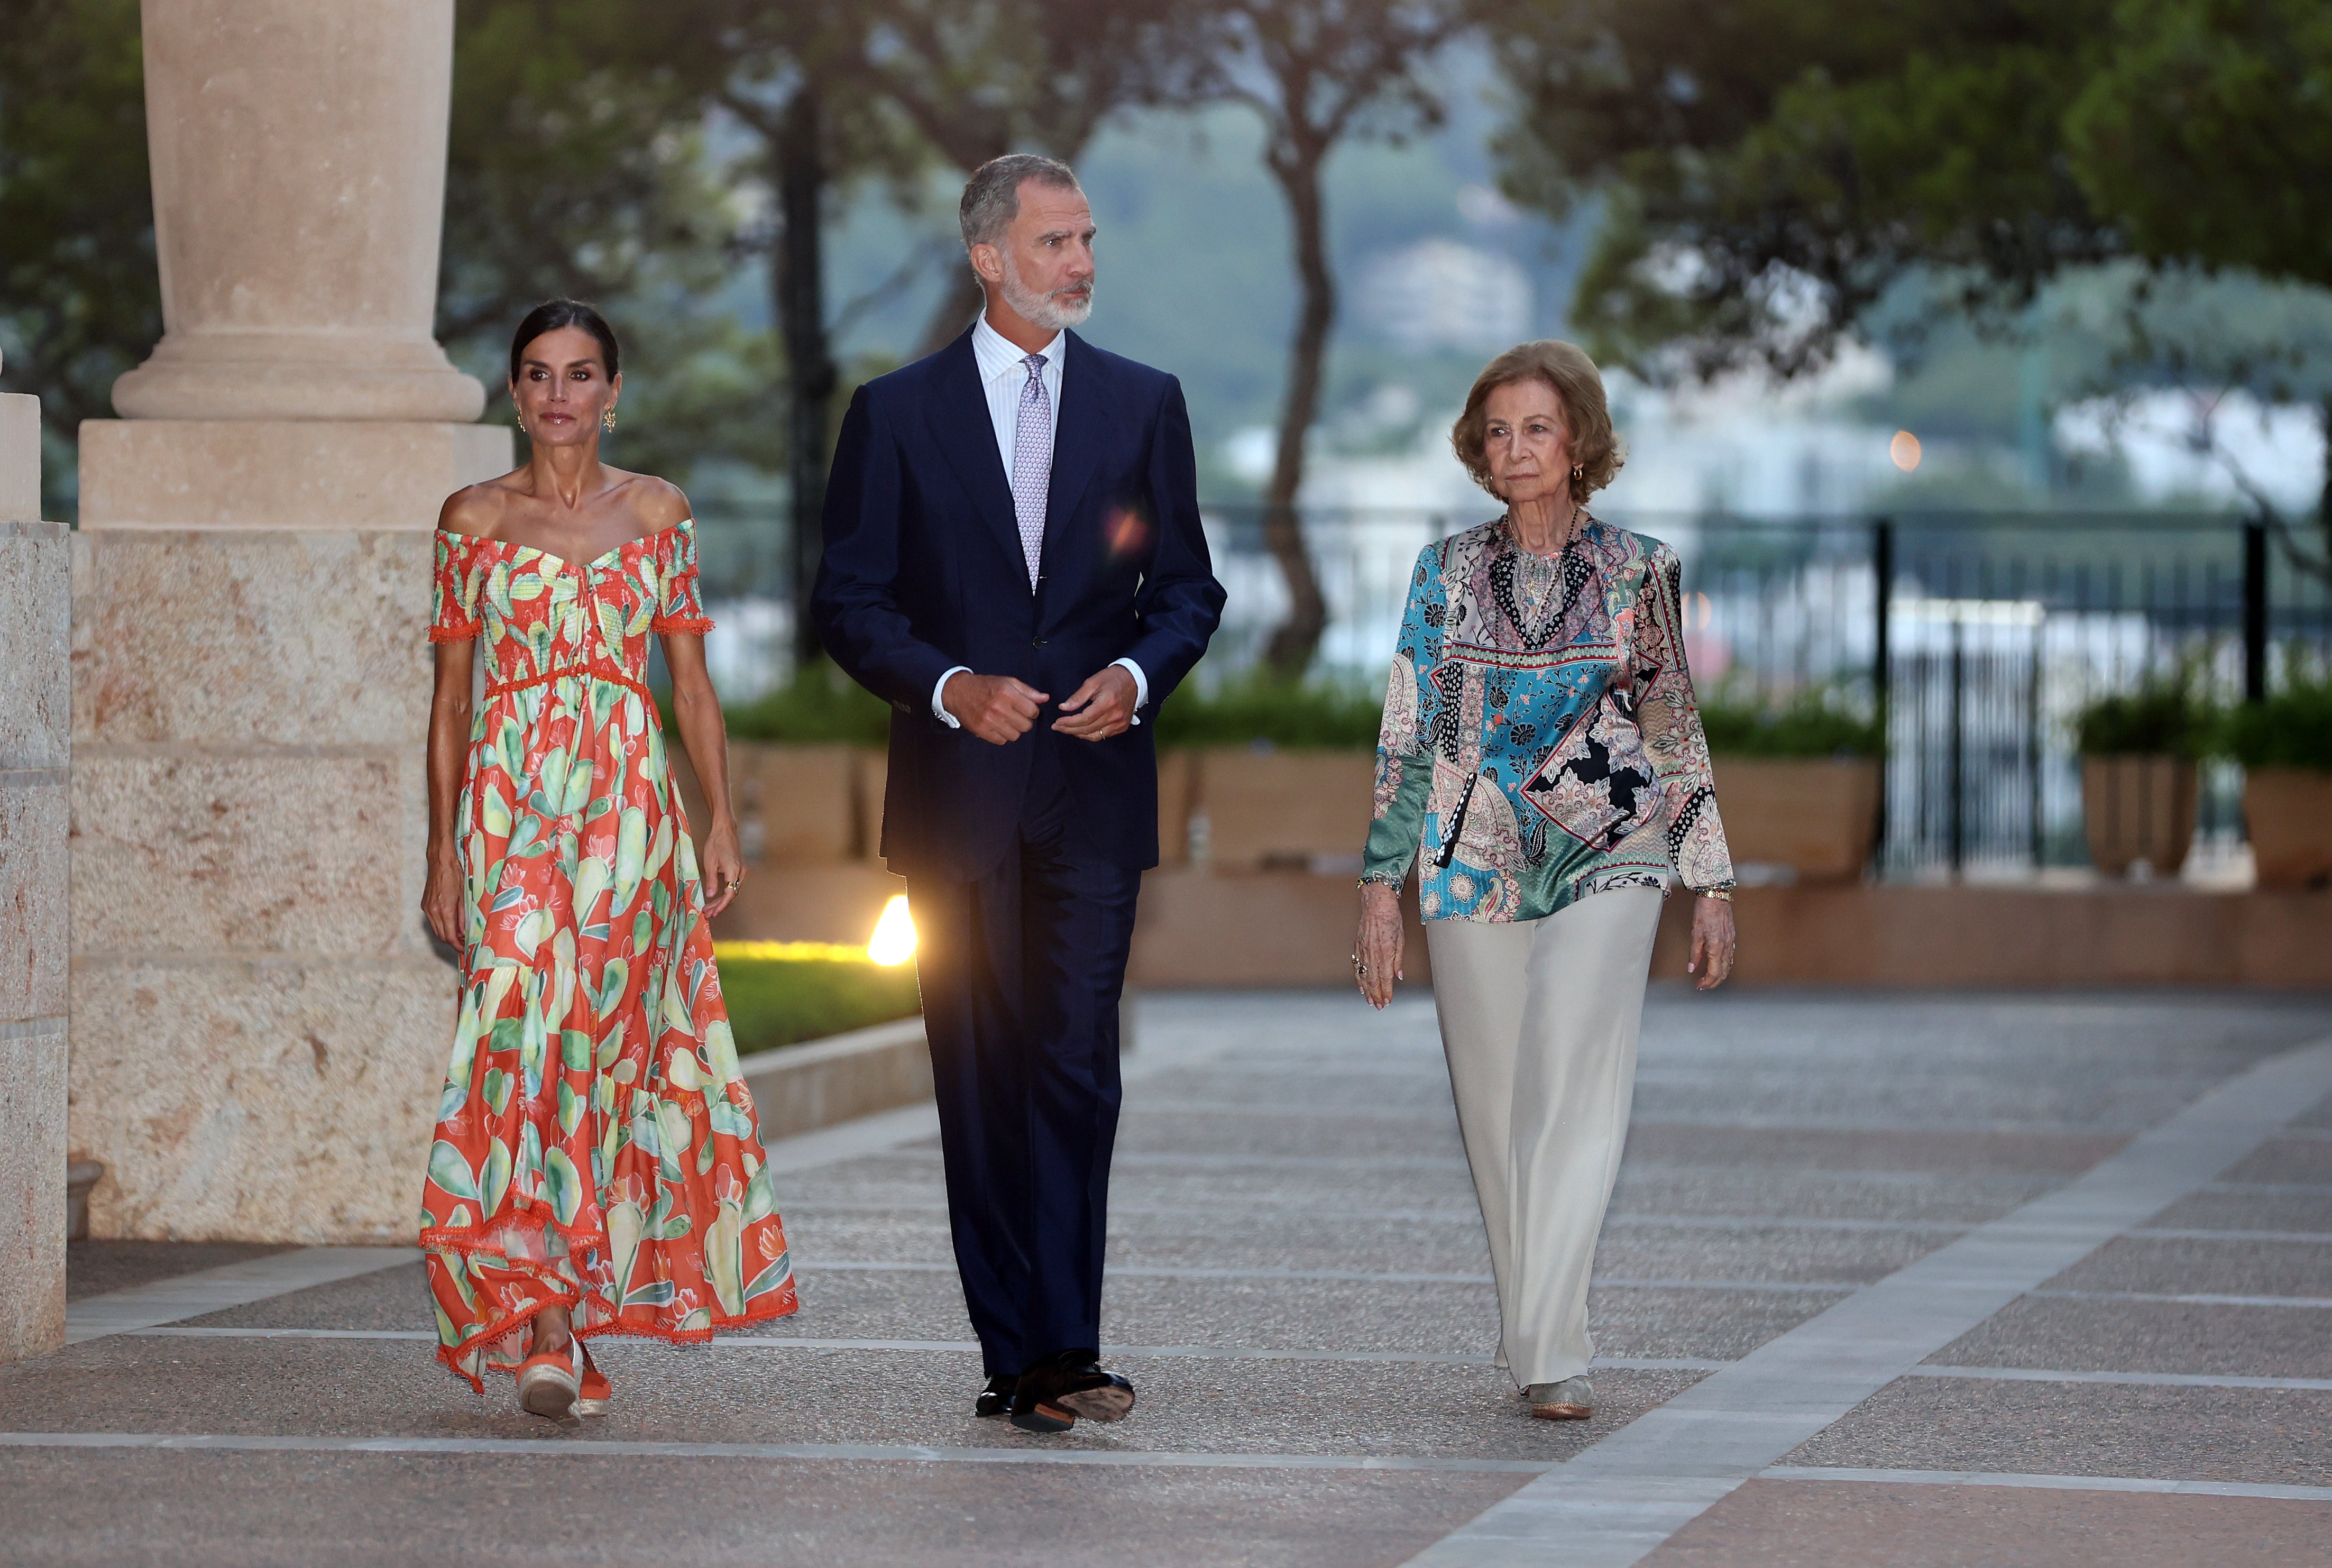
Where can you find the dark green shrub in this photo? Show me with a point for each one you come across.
(1308, 714)
(820, 704)
(1812, 726)
(2290, 730)
(2161, 718)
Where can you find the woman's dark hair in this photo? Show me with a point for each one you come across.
(553, 314)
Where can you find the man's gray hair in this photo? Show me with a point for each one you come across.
(991, 197)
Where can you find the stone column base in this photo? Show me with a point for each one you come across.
(262, 1024)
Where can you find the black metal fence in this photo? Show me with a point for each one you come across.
(1981, 637)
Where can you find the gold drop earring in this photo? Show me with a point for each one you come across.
(607, 420)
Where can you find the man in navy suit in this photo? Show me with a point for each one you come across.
(1013, 560)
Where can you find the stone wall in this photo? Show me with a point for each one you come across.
(262, 1024)
(34, 757)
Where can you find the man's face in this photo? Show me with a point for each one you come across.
(1045, 265)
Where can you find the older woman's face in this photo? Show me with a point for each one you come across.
(1524, 441)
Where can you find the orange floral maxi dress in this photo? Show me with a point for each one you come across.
(595, 1148)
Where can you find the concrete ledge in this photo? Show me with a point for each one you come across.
(801, 1088)
(1965, 937)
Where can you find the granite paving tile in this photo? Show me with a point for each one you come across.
(2296, 1268)
(1862, 1524)
(181, 1509)
(2273, 1437)
(2149, 1336)
(361, 1388)
(2294, 1159)
(95, 1267)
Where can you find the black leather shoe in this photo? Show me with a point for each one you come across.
(996, 1398)
(1055, 1392)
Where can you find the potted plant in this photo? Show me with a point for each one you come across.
(2285, 745)
(1796, 785)
(1281, 772)
(798, 760)
(2138, 774)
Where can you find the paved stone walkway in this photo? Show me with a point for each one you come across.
(1974, 1280)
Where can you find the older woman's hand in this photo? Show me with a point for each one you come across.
(1376, 949)
(1712, 941)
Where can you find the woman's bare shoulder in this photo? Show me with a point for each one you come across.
(655, 503)
(477, 510)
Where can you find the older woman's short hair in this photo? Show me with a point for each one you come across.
(1586, 415)
(991, 197)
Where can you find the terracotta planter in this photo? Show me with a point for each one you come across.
(2138, 809)
(2290, 812)
(796, 805)
(1281, 808)
(1815, 815)
(1176, 774)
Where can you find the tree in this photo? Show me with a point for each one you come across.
(982, 78)
(1771, 169)
(2206, 133)
(80, 300)
(1317, 73)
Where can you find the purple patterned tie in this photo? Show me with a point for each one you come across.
(1032, 463)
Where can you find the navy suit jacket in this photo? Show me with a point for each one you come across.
(922, 572)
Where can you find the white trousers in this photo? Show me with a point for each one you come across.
(1539, 1018)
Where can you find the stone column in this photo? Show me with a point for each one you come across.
(34, 750)
(261, 1023)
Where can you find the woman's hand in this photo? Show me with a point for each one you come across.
(721, 867)
(441, 898)
(1712, 941)
(1376, 949)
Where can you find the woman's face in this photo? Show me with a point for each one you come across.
(1525, 443)
(563, 387)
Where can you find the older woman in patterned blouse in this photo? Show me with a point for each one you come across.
(1541, 767)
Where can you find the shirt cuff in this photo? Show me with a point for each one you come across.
(938, 711)
(1141, 686)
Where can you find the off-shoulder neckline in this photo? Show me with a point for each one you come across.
(478, 539)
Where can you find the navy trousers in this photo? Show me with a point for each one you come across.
(1021, 971)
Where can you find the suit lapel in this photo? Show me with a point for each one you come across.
(1087, 409)
(958, 422)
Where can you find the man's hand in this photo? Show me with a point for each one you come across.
(1102, 707)
(997, 708)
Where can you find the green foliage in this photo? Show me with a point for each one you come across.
(821, 704)
(1771, 169)
(2292, 729)
(781, 1001)
(2161, 718)
(1308, 714)
(1812, 726)
(79, 299)
(2207, 132)
(1765, 157)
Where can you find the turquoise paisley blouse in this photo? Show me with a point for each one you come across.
(1540, 740)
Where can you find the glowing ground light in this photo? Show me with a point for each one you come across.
(893, 942)
(1905, 450)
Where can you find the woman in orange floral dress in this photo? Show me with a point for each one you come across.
(597, 1169)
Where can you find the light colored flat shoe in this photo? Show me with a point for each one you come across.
(592, 1395)
(548, 1384)
(1572, 1400)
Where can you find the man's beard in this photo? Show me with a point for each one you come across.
(1049, 311)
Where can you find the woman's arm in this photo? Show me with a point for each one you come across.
(1404, 779)
(696, 714)
(1669, 716)
(449, 744)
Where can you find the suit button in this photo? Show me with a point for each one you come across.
(1035, 642)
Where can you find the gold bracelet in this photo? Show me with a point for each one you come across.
(1722, 895)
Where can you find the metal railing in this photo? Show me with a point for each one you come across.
(1979, 636)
